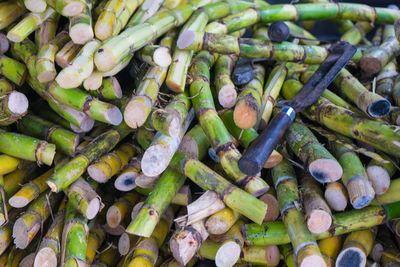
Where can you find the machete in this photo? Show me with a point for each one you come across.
(260, 149)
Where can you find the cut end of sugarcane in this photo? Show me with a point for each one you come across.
(73, 8)
(244, 115)
(379, 108)
(47, 76)
(216, 225)
(136, 209)
(370, 64)
(53, 186)
(2, 220)
(319, 221)
(186, 39)
(81, 33)
(93, 208)
(189, 147)
(117, 87)
(379, 178)
(162, 57)
(113, 115)
(27, 261)
(313, 260)
(155, 160)
(4, 43)
(360, 192)
(124, 244)
(35, 6)
(68, 78)
(113, 217)
(116, 231)
(272, 207)
(135, 114)
(18, 201)
(126, 181)
(144, 181)
(14, 37)
(351, 257)
(228, 254)
(17, 103)
(45, 257)
(87, 124)
(272, 255)
(94, 81)
(174, 86)
(274, 159)
(21, 233)
(103, 30)
(97, 174)
(183, 248)
(104, 59)
(376, 253)
(227, 96)
(336, 197)
(325, 170)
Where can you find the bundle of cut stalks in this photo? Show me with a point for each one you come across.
(122, 124)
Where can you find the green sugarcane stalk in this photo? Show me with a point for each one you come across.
(370, 103)
(214, 128)
(80, 26)
(248, 104)
(155, 55)
(25, 147)
(207, 179)
(391, 195)
(224, 86)
(305, 36)
(306, 146)
(168, 120)
(64, 140)
(28, 25)
(357, 33)
(350, 124)
(45, 67)
(67, 174)
(110, 89)
(74, 237)
(133, 38)
(13, 70)
(145, 11)
(274, 233)
(167, 187)
(303, 241)
(374, 60)
(5, 86)
(10, 11)
(385, 80)
(47, 30)
(68, 8)
(126, 13)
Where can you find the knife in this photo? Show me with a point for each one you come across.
(260, 149)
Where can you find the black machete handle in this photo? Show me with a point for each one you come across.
(261, 148)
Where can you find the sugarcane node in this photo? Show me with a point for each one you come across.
(278, 31)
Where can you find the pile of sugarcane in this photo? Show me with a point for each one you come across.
(107, 106)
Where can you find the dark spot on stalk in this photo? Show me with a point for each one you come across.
(319, 175)
(350, 259)
(151, 212)
(356, 133)
(100, 50)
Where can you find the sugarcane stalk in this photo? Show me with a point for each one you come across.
(45, 59)
(317, 211)
(84, 197)
(354, 176)
(390, 195)
(330, 248)
(13, 106)
(74, 237)
(108, 165)
(385, 80)
(80, 68)
(95, 239)
(107, 257)
(396, 91)
(214, 128)
(28, 225)
(30, 191)
(49, 251)
(248, 104)
(126, 180)
(47, 30)
(64, 140)
(8, 164)
(123, 206)
(119, 66)
(10, 11)
(68, 8)
(67, 174)
(13, 70)
(146, 252)
(155, 55)
(108, 19)
(305, 248)
(144, 12)
(133, 38)
(67, 53)
(25, 147)
(336, 196)
(5, 86)
(379, 173)
(42, 109)
(224, 85)
(80, 26)
(29, 24)
(357, 32)
(348, 123)
(374, 60)
(305, 37)
(246, 136)
(158, 155)
(220, 222)
(356, 248)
